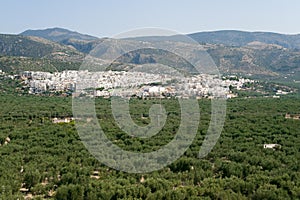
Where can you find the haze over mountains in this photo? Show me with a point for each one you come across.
(258, 53)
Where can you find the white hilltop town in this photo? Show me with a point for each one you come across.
(123, 83)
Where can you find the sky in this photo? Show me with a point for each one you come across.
(107, 18)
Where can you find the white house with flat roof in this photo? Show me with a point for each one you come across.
(271, 146)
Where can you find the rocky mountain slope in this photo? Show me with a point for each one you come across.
(82, 42)
(35, 47)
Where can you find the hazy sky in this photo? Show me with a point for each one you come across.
(107, 18)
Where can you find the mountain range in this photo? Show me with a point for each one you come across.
(242, 38)
(257, 53)
(58, 34)
(82, 42)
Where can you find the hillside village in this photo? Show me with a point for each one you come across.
(122, 83)
(142, 85)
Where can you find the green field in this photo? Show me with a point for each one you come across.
(52, 163)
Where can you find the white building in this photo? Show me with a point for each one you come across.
(271, 146)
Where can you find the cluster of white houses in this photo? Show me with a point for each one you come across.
(122, 83)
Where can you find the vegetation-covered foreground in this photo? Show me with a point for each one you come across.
(49, 161)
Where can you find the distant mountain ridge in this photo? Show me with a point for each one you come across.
(242, 38)
(85, 43)
(82, 42)
(256, 58)
(19, 53)
(58, 34)
(263, 53)
(35, 47)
